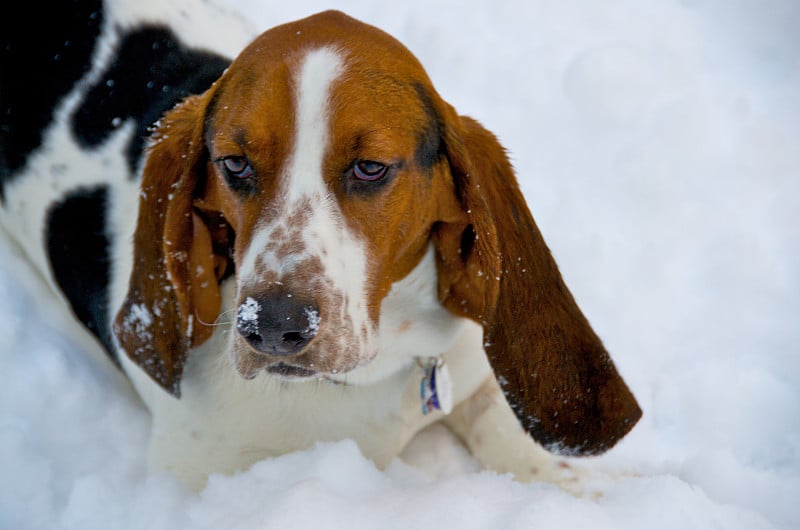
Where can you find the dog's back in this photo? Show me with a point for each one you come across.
(77, 100)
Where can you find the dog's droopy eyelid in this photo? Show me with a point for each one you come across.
(236, 167)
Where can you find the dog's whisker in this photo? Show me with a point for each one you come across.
(218, 321)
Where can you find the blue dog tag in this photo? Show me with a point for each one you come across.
(435, 389)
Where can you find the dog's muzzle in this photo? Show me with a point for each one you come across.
(279, 325)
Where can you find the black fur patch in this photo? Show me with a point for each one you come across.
(77, 247)
(430, 146)
(44, 50)
(151, 73)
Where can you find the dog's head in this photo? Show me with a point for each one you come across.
(321, 167)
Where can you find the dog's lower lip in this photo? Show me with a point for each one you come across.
(291, 371)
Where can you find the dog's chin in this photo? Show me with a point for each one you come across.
(249, 364)
(280, 370)
(291, 372)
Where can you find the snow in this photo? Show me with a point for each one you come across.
(247, 316)
(657, 145)
(140, 318)
(313, 319)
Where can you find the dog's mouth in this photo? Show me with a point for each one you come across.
(290, 371)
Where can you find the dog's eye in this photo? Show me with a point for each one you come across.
(237, 167)
(369, 171)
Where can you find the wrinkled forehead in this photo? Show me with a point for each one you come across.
(364, 74)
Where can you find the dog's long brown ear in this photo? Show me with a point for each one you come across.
(173, 292)
(497, 270)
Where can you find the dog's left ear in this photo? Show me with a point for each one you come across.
(496, 269)
(173, 296)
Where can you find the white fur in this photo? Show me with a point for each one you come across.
(319, 71)
(413, 325)
(223, 423)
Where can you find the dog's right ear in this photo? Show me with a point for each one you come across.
(173, 296)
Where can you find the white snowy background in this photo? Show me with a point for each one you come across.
(658, 144)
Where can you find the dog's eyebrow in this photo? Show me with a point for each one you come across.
(238, 135)
(208, 122)
(430, 145)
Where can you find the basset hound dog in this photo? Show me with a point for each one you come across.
(304, 244)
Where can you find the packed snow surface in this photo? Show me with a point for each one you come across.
(658, 144)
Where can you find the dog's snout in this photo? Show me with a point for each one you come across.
(279, 324)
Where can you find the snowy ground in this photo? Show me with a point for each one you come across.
(658, 145)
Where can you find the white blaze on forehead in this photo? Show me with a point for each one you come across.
(320, 69)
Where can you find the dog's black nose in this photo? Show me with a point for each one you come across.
(279, 324)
